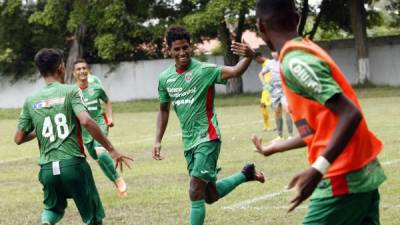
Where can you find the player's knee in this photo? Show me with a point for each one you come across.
(100, 150)
(211, 194)
(196, 193)
(210, 199)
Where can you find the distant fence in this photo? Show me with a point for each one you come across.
(139, 80)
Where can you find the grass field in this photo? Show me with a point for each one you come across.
(158, 189)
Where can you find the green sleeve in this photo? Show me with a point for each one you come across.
(103, 95)
(25, 120)
(309, 76)
(162, 91)
(214, 72)
(77, 102)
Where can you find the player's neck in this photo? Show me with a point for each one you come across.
(53, 79)
(83, 84)
(279, 39)
(181, 68)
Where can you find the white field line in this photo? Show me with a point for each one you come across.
(246, 203)
(390, 162)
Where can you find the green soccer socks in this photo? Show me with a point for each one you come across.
(107, 165)
(197, 212)
(227, 184)
(51, 217)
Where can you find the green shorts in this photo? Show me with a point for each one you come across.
(74, 180)
(350, 209)
(202, 160)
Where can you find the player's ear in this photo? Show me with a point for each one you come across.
(61, 69)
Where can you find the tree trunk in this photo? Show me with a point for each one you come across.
(234, 85)
(304, 15)
(358, 22)
(75, 52)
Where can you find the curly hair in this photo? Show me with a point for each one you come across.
(175, 33)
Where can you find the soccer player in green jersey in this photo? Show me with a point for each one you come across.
(189, 86)
(344, 173)
(54, 115)
(93, 94)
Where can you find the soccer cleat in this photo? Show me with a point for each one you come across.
(249, 170)
(122, 189)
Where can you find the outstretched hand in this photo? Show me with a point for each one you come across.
(305, 182)
(264, 150)
(120, 160)
(242, 49)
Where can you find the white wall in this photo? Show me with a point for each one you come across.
(139, 80)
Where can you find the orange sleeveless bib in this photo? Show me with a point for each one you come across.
(316, 123)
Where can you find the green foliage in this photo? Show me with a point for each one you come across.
(116, 30)
(217, 50)
(394, 10)
(209, 15)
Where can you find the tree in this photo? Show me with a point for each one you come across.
(359, 26)
(20, 40)
(225, 19)
(394, 9)
(353, 18)
(99, 31)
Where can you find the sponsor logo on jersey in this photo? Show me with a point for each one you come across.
(47, 103)
(188, 77)
(305, 75)
(91, 91)
(209, 65)
(183, 102)
(170, 80)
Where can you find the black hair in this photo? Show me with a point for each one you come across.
(279, 15)
(48, 60)
(257, 54)
(175, 33)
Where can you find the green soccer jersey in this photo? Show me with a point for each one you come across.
(94, 79)
(51, 113)
(192, 95)
(93, 95)
(309, 76)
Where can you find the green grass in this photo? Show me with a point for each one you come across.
(221, 101)
(158, 189)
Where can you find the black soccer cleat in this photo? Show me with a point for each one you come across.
(249, 170)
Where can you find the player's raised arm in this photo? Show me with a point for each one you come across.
(162, 122)
(240, 49)
(95, 132)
